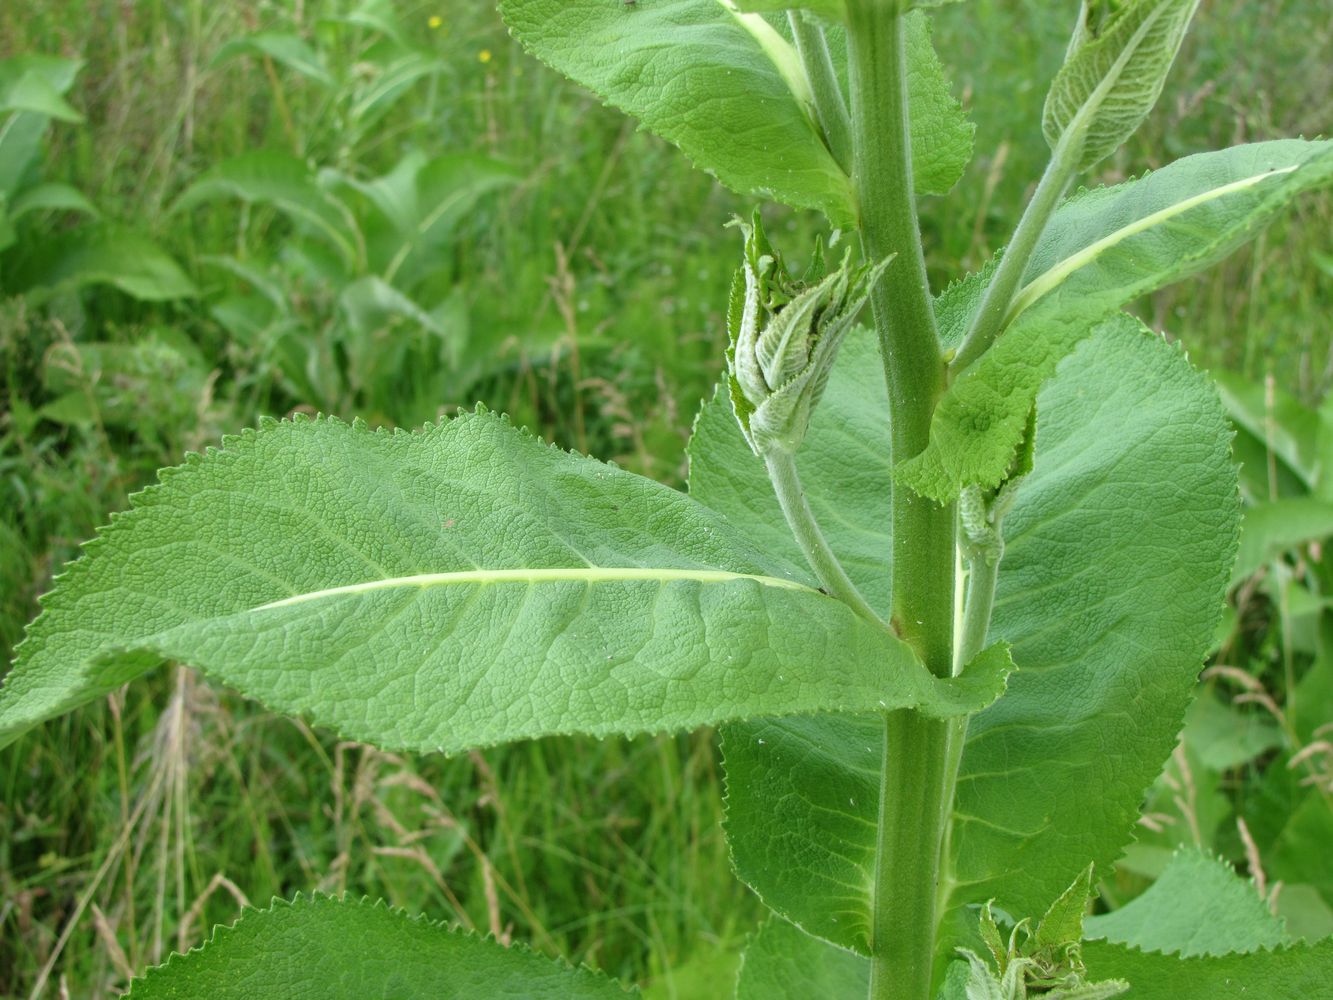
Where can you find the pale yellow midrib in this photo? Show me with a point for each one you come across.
(1044, 283)
(587, 574)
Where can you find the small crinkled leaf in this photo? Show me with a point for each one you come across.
(1062, 923)
(1118, 548)
(345, 949)
(941, 133)
(1198, 906)
(1302, 972)
(1102, 249)
(457, 587)
(1113, 75)
(693, 73)
(782, 962)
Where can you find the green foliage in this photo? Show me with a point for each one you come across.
(557, 595)
(1102, 249)
(40, 263)
(1197, 907)
(1025, 824)
(782, 963)
(365, 290)
(1300, 971)
(655, 61)
(350, 950)
(1115, 70)
(465, 585)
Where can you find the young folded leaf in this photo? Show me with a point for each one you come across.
(1113, 74)
(784, 337)
(347, 949)
(453, 588)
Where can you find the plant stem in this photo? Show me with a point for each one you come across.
(801, 519)
(914, 801)
(989, 320)
(981, 578)
(812, 47)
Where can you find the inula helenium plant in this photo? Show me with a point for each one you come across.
(945, 580)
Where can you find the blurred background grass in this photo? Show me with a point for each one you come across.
(572, 273)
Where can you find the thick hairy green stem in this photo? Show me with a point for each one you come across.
(989, 320)
(913, 798)
(801, 520)
(830, 106)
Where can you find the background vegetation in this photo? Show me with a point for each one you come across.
(387, 210)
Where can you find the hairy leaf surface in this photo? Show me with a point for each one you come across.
(794, 786)
(1118, 549)
(729, 90)
(457, 587)
(782, 962)
(1114, 75)
(1102, 249)
(1198, 906)
(357, 950)
(1297, 973)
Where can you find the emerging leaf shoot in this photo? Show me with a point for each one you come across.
(784, 335)
(1117, 63)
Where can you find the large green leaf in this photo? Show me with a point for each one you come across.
(457, 587)
(1102, 249)
(358, 950)
(1298, 973)
(730, 91)
(781, 962)
(1199, 906)
(1118, 548)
